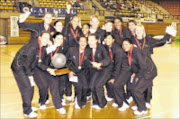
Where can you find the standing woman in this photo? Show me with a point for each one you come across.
(120, 32)
(99, 71)
(95, 28)
(23, 67)
(146, 45)
(36, 28)
(78, 59)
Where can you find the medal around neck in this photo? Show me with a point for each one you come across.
(58, 60)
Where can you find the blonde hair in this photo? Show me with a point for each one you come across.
(94, 16)
(140, 26)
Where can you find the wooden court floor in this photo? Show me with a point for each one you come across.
(165, 102)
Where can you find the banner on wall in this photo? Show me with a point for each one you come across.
(39, 11)
(14, 26)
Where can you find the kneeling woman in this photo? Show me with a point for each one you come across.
(143, 75)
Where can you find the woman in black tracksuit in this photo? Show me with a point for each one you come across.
(78, 59)
(23, 66)
(99, 71)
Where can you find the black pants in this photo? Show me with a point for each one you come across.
(118, 87)
(138, 93)
(98, 80)
(68, 89)
(62, 84)
(81, 88)
(41, 82)
(147, 92)
(25, 89)
(44, 81)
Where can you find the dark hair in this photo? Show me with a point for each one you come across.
(128, 40)
(57, 33)
(133, 21)
(86, 24)
(56, 22)
(109, 21)
(44, 32)
(93, 34)
(108, 34)
(119, 18)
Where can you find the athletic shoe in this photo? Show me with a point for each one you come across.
(63, 103)
(115, 104)
(31, 115)
(43, 107)
(134, 108)
(148, 105)
(61, 110)
(47, 102)
(108, 98)
(68, 98)
(140, 113)
(130, 99)
(124, 107)
(34, 109)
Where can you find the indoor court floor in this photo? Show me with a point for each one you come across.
(165, 102)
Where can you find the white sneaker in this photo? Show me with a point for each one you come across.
(130, 99)
(108, 98)
(94, 106)
(97, 107)
(63, 103)
(63, 100)
(34, 109)
(31, 115)
(124, 107)
(43, 107)
(61, 110)
(148, 105)
(134, 108)
(47, 102)
(140, 113)
(68, 98)
(88, 97)
(115, 104)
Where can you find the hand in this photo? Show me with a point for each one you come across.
(31, 77)
(49, 43)
(96, 65)
(174, 25)
(23, 17)
(136, 80)
(71, 74)
(68, 6)
(133, 75)
(51, 71)
(111, 81)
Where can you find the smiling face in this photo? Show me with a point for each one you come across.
(139, 31)
(92, 41)
(58, 26)
(45, 38)
(85, 29)
(75, 22)
(82, 43)
(117, 23)
(58, 40)
(109, 40)
(131, 27)
(94, 23)
(47, 18)
(108, 27)
(126, 46)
